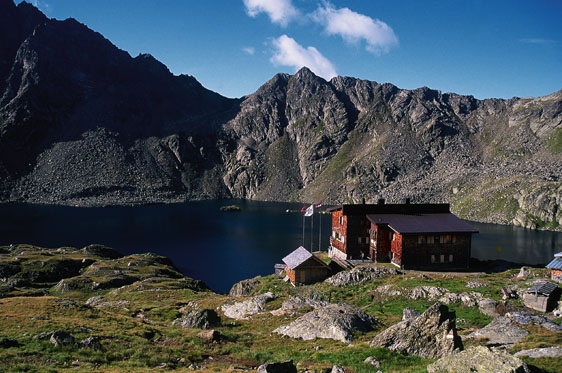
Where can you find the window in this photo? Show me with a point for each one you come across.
(447, 238)
(421, 239)
(436, 239)
(451, 258)
(433, 258)
(338, 236)
(442, 258)
(341, 220)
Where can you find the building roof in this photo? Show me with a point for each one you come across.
(423, 223)
(543, 287)
(556, 263)
(392, 208)
(297, 257)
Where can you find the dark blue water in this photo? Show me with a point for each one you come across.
(515, 244)
(222, 248)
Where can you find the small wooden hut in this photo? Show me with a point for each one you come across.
(542, 296)
(303, 267)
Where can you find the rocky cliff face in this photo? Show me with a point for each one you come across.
(82, 122)
(302, 138)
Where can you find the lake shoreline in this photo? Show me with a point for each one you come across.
(222, 248)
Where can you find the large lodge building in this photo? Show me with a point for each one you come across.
(411, 236)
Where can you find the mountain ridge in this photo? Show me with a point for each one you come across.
(84, 123)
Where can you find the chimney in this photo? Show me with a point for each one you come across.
(381, 200)
(408, 200)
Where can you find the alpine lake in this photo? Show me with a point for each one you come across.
(224, 247)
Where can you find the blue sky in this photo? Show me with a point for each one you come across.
(484, 48)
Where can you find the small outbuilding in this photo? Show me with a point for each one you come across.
(303, 267)
(542, 296)
(555, 267)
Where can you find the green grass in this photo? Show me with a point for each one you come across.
(134, 343)
(554, 141)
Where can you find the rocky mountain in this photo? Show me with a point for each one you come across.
(82, 122)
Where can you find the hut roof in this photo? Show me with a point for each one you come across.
(556, 263)
(299, 256)
(423, 223)
(543, 287)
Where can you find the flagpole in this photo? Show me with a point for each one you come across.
(320, 234)
(309, 212)
(312, 229)
(303, 230)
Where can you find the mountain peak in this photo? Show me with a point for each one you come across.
(147, 62)
(306, 74)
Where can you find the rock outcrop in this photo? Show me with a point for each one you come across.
(536, 353)
(359, 275)
(501, 331)
(199, 318)
(470, 299)
(296, 304)
(280, 367)
(243, 288)
(61, 338)
(31, 270)
(244, 309)
(333, 321)
(433, 334)
(479, 359)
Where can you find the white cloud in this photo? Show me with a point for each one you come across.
(290, 53)
(279, 11)
(249, 50)
(537, 41)
(354, 27)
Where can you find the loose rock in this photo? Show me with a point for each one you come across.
(527, 318)
(7, 343)
(242, 310)
(372, 361)
(295, 304)
(61, 338)
(210, 335)
(244, 288)
(335, 321)
(359, 275)
(199, 319)
(555, 351)
(283, 367)
(501, 331)
(431, 335)
(479, 359)
(91, 342)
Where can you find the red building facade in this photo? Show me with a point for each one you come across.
(411, 236)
